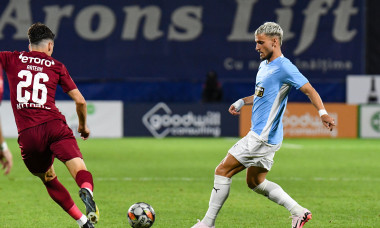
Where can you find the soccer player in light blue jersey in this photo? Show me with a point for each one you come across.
(255, 152)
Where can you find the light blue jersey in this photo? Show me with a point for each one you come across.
(273, 84)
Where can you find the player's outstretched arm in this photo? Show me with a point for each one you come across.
(316, 100)
(6, 159)
(81, 108)
(235, 107)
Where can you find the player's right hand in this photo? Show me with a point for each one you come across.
(84, 132)
(6, 160)
(233, 110)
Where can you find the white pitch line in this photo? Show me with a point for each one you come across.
(191, 179)
(292, 146)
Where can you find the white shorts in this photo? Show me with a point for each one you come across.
(251, 151)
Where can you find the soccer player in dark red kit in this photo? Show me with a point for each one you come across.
(43, 133)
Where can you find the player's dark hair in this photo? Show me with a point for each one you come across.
(38, 32)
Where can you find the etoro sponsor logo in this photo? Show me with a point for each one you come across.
(36, 60)
(375, 121)
(161, 121)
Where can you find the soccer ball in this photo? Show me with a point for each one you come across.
(141, 215)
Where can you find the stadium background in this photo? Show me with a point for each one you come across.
(144, 76)
(154, 55)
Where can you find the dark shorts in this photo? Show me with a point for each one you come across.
(41, 144)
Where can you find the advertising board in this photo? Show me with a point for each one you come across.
(369, 121)
(180, 120)
(301, 120)
(363, 89)
(166, 40)
(104, 118)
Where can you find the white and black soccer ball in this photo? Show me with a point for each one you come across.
(141, 215)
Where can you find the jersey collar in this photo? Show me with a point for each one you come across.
(281, 56)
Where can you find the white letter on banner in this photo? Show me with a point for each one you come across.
(342, 21)
(134, 14)
(18, 14)
(54, 14)
(315, 9)
(285, 18)
(107, 22)
(242, 20)
(188, 20)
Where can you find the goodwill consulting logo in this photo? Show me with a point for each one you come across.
(162, 121)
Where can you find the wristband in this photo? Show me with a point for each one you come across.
(238, 104)
(4, 146)
(322, 112)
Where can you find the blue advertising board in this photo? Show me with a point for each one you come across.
(169, 119)
(179, 41)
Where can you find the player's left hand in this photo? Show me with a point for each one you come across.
(84, 132)
(6, 160)
(328, 121)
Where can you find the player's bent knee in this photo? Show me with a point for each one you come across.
(252, 184)
(220, 170)
(45, 177)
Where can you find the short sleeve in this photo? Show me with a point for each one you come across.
(65, 80)
(293, 76)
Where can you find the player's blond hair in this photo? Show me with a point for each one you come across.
(271, 29)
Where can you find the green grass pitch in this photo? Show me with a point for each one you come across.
(337, 179)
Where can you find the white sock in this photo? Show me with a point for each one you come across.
(275, 193)
(297, 210)
(219, 195)
(82, 220)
